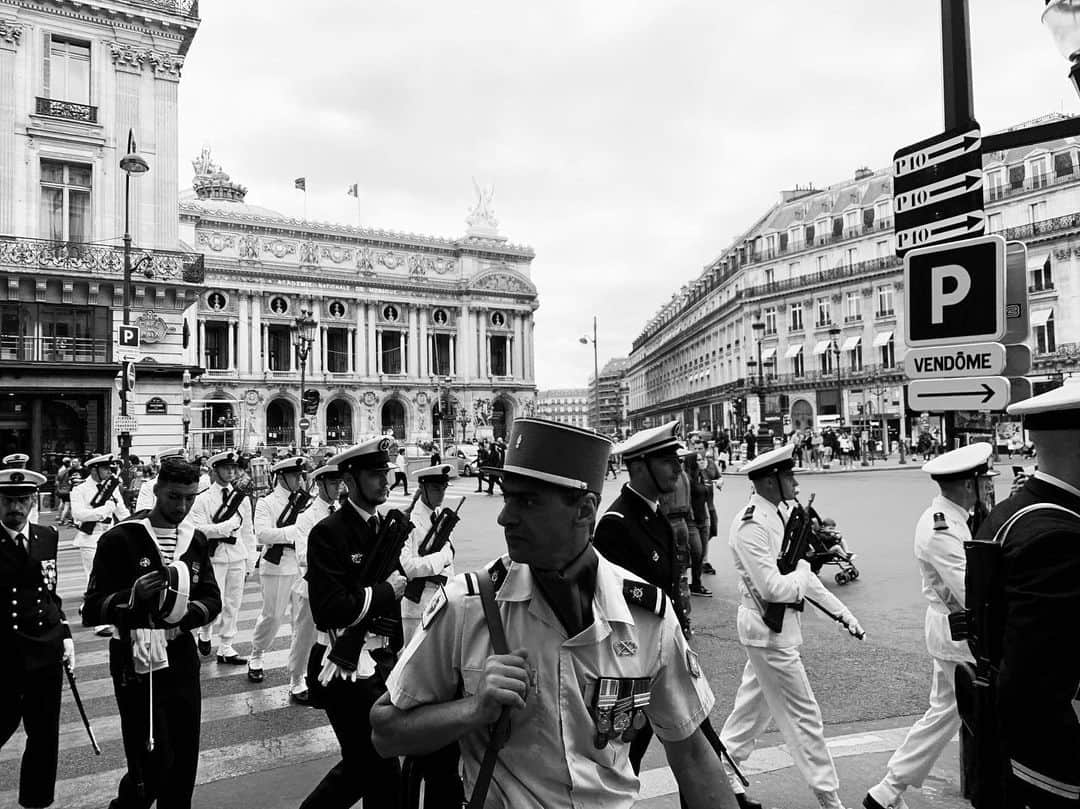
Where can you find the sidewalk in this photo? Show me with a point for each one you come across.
(890, 464)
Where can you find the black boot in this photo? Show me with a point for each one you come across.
(745, 802)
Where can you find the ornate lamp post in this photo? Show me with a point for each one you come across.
(834, 350)
(596, 373)
(185, 413)
(759, 332)
(302, 339)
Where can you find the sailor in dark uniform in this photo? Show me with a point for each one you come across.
(1038, 528)
(34, 634)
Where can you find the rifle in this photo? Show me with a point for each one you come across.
(433, 542)
(797, 536)
(103, 495)
(299, 501)
(228, 509)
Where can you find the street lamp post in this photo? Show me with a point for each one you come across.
(302, 339)
(185, 413)
(596, 374)
(759, 332)
(834, 349)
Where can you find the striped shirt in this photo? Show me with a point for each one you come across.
(166, 540)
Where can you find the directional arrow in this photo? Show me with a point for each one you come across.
(987, 393)
(907, 162)
(955, 227)
(958, 393)
(937, 192)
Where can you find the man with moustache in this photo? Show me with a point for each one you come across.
(36, 636)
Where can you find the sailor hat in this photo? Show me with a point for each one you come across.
(329, 470)
(654, 441)
(439, 473)
(1058, 409)
(965, 462)
(229, 457)
(172, 452)
(293, 464)
(769, 463)
(17, 460)
(687, 452)
(373, 455)
(558, 454)
(20, 482)
(174, 598)
(108, 458)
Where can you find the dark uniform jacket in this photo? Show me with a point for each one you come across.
(340, 597)
(32, 624)
(1039, 684)
(633, 536)
(129, 550)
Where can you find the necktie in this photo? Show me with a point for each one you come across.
(224, 496)
(20, 543)
(373, 524)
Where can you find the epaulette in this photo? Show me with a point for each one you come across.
(610, 513)
(939, 521)
(647, 596)
(496, 570)
(749, 513)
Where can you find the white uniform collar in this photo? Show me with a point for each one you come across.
(1061, 484)
(184, 533)
(652, 504)
(25, 530)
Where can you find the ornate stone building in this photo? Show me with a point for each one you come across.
(802, 317)
(401, 320)
(75, 79)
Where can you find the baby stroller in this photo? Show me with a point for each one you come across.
(829, 549)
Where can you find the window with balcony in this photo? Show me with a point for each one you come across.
(1063, 165)
(1042, 326)
(855, 357)
(770, 320)
(65, 201)
(822, 263)
(885, 301)
(798, 365)
(500, 355)
(809, 234)
(837, 227)
(995, 223)
(67, 333)
(827, 361)
(67, 71)
(881, 248)
(1041, 279)
(882, 210)
(888, 353)
(1039, 175)
(216, 350)
(440, 360)
(852, 307)
(392, 355)
(770, 246)
(337, 351)
(1016, 177)
(995, 184)
(795, 238)
(1036, 212)
(793, 269)
(279, 348)
(824, 312)
(795, 319)
(851, 257)
(770, 275)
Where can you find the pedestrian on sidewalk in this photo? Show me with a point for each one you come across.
(715, 481)
(774, 682)
(697, 522)
(940, 535)
(399, 466)
(63, 492)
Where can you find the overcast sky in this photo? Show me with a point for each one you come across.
(628, 141)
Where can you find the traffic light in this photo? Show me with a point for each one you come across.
(311, 402)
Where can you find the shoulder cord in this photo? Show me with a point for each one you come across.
(501, 731)
(1003, 531)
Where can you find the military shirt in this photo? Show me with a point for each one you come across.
(440, 563)
(267, 511)
(551, 758)
(201, 517)
(103, 517)
(939, 549)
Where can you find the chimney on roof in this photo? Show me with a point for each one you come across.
(796, 192)
(862, 173)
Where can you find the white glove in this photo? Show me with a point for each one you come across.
(851, 625)
(69, 652)
(331, 671)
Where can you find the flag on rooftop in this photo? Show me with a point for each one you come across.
(301, 183)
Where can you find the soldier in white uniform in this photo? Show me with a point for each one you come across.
(92, 521)
(329, 485)
(939, 549)
(594, 653)
(276, 530)
(233, 552)
(146, 499)
(774, 682)
(435, 569)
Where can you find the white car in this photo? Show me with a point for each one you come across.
(466, 456)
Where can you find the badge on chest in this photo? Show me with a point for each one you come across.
(48, 573)
(619, 708)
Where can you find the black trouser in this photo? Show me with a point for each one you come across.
(640, 743)
(33, 698)
(362, 772)
(166, 774)
(403, 479)
(441, 778)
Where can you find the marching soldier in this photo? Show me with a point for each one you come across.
(940, 535)
(328, 488)
(19, 460)
(36, 637)
(96, 505)
(774, 681)
(276, 531)
(345, 607)
(153, 579)
(1028, 634)
(223, 515)
(562, 607)
(145, 500)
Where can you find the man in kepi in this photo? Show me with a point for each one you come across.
(595, 654)
(358, 619)
(940, 535)
(1034, 607)
(774, 682)
(36, 637)
(154, 581)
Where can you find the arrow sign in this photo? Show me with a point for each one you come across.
(955, 227)
(964, 393)
(938, 192)
(923, 156)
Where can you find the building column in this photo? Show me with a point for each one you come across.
(413, 342)
(264, 349)
(462, 356)
(255, 355)
(202, 340)
(232, 346)
(378, 352)
(510, 348)
(243, 337)
(483, 349)
(352, 349)
(9, 140)
(519, 348)
(453, 355)
(372, 342)
(530, 373)
(423, 367)
(322, 350)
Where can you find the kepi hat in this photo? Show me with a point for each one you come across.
(1058, 409)
(16, 460)
(665, 439)
(20, 482)
(966, 462)
(558, 454)
(373, 455)
(770, 463)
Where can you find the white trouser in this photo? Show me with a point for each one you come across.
(774, 684)
(86, 556)
(914, 759)
(230, 580)
(303, 638)
(276, 591)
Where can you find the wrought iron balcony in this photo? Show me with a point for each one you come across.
(84, 113)
(152, 265)
(23, 348)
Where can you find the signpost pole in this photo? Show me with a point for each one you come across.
(956, 64)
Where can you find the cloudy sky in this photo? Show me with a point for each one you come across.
(628, 141)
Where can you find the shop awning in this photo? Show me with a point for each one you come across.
(851, 343)
(821, 347)
(1040, 317)
(768, 353)
(793, 351)
(882, 339)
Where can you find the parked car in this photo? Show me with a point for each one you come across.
(466, 457)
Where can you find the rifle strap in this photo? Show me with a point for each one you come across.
(502, 728)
